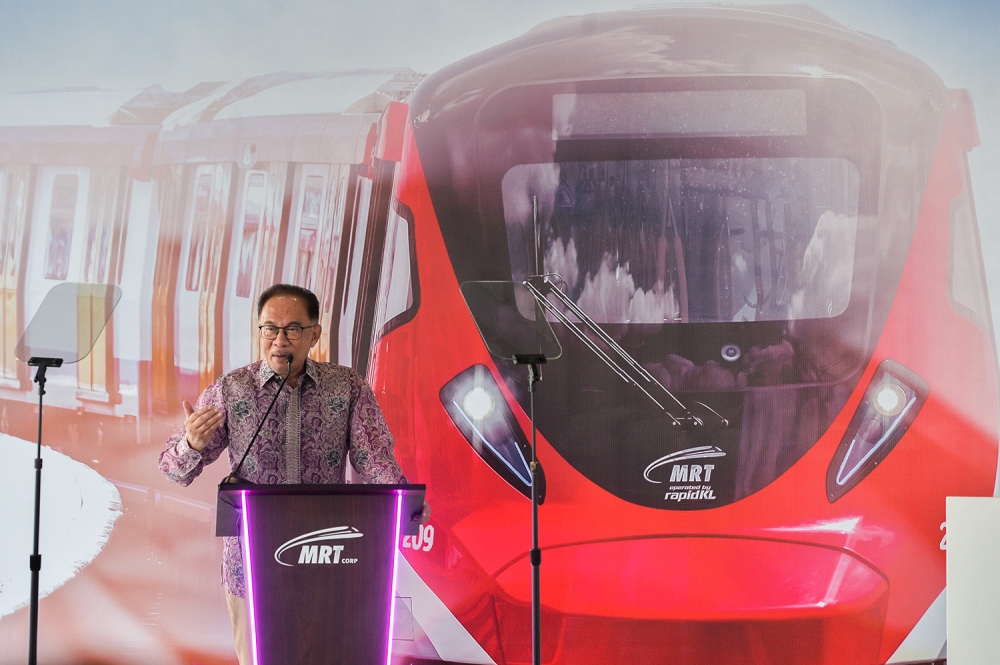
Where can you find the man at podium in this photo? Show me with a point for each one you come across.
(324, 415)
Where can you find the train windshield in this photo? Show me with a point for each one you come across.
(688, 240)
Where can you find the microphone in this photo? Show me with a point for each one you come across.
(233, 477)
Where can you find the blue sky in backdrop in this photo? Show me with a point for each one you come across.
(46, 44)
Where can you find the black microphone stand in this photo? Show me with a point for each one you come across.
(227, 514)
(533, 361)
(232, 477)
(35, 562)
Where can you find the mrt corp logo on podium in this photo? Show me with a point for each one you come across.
(310, 553)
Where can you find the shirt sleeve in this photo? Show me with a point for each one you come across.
(181, 463)
(370, 442)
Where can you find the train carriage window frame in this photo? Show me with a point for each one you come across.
(311, 206)
(13, 218)
(102, 210)
(327, 237)
(61, 226)
(338, 201)
(5, 215)
(201, 208)
(250, 230)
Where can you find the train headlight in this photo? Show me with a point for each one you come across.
(889, 399)
(478, 403)
(477, 407)
(891, 402)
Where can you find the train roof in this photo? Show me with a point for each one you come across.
(66, 107)
(678, 41)
(69, 127)
(287, 116)
(296, 93)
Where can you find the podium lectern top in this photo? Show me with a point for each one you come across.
(228, 508)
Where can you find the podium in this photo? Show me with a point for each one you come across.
(319, 566)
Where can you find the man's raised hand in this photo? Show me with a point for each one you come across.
(199, 425)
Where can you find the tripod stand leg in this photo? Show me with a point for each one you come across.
(35, 561)
(534, 375)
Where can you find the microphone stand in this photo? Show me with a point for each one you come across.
(35, 562)
(533, 361)
(232, 477)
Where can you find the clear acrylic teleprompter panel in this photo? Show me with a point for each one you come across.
(68, 322)
(498, 309)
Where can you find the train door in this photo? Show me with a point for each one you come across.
(55, 243)
(96, 377)
(252, 259)
(15, 184)
(314, 239)
(75, 234)
(198, 324)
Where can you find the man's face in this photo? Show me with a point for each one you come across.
(284, 311)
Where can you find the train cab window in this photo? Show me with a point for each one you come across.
(689, 240)
(655, 205)
(62, 214)
(396, 281)
(199, 227)
(966, 274)
(253, 209)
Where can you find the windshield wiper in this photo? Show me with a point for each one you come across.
(630, 371)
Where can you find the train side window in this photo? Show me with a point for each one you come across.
(102, 197)
(4, 221)
(253, 209)
(397, 292)
(65, 188)
(199, 224)
(328, 280)
(13, 222)
(309, 220)
(966, 274)
(13, 208)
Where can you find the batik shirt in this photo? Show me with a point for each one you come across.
(329, 417)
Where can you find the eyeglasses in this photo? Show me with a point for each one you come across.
(292, 333)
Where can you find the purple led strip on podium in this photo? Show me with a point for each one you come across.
(395, 528)
(395, 570)
(248, 569)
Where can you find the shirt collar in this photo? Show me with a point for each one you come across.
(265, 373)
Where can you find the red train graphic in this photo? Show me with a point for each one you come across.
(769, 218)
(757, 234)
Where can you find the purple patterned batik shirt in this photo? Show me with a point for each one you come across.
(330, 416)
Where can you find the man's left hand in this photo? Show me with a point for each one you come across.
(423, 515)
